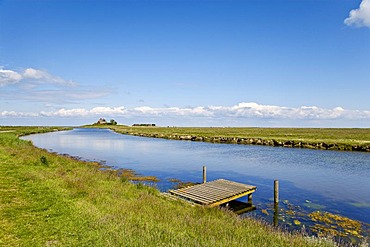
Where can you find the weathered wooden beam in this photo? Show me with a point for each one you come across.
(204, 174)
(228, 199)
(276, 191)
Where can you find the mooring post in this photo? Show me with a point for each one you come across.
(204, 174)
(250, 199)
(276, 191)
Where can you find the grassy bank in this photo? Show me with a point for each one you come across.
(314, 138)
(51, 200)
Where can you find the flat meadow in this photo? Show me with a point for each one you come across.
(347, 139)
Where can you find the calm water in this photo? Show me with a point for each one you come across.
(336, 182)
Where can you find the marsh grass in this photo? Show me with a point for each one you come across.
(74, 203)
(131, 175)
(178, 184)
(332, 138)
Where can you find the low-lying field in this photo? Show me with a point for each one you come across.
(318, 138)
(51, 200)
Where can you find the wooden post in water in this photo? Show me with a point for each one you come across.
(204, 174)
(276, 191)
(276, 202)
(250, 199)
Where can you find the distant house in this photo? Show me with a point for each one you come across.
(102, 121)
(152, 125)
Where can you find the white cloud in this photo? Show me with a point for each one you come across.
(34, 74)
(108, 111)
(359, 17)
(240, 111)
(6, 114)
(170, 111)
(40, 75)
(80, 112)
(34, 85)
(9, 77)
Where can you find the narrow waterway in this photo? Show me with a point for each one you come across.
(310, 180)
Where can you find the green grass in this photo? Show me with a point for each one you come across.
(332, 138)
(51, 200)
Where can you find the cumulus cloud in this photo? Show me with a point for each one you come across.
(40, 75)
(9, 77)
(81, 112)
(242, 110)
(34, 85)
(359, 17)
(7, 114)
(170, 111)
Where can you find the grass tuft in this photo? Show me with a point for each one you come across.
(44, 161)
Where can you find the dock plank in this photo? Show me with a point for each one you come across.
(210, 195)
(205, 193)
(212, 192)
(189, 196)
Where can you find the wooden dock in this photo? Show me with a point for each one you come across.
(216, 192)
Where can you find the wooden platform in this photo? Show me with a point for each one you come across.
(215, 193)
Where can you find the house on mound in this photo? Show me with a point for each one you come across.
(102, 121)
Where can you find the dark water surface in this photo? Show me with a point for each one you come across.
(331, 181)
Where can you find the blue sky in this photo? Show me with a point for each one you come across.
(278, 63)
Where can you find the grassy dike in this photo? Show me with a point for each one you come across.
(52, 200)
(345, 139)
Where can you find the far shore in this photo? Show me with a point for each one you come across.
(341, 139)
